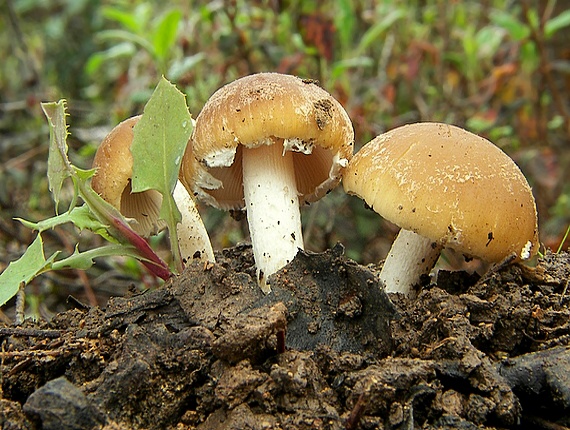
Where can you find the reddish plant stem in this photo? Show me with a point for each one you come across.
(150, 260)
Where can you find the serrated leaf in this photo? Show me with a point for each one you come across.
(80, 216)
(59, 167)
(23, 270)
(160, 138)
(85, 259)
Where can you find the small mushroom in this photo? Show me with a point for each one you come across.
(113, 162)
(267, 143)
(445, 187)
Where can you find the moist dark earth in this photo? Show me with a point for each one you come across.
(327, 349)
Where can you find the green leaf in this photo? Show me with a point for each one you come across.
(345, 22)
(59, 167)
(184, 65)
(127, 19)
(508, 21)
(533, 19)
(96, 61)
(81, 216)
(164, 36)
(84, 260)
(470, 44)
(23, 270)
(340, 67)
(489, 39)
(160, 138)
(126, 36)
(557, 23)
(378, 29)
(529, 57)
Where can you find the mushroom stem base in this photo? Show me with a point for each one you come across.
(272, 205)
(410, 257)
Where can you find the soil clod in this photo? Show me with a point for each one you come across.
(206, 351)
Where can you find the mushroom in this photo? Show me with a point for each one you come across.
(268, 143)
(445, 187)
(113, 162)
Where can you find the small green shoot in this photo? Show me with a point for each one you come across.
(559, 250)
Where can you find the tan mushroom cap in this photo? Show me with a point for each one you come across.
(449, 185)
(112, 180)
(262, 109)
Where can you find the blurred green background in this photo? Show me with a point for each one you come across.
(498, 68)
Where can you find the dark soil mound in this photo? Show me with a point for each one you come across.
(327, 349)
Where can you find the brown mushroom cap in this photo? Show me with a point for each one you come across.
(261, 109)
(449, 185)
(112, 180)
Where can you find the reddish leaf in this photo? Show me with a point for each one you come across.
(319, 32)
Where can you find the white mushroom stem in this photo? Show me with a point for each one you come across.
(272, 206)
(193, 238)
(410, 257)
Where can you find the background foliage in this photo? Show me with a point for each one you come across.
(499, 68)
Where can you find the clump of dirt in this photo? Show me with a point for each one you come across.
(327, 349)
